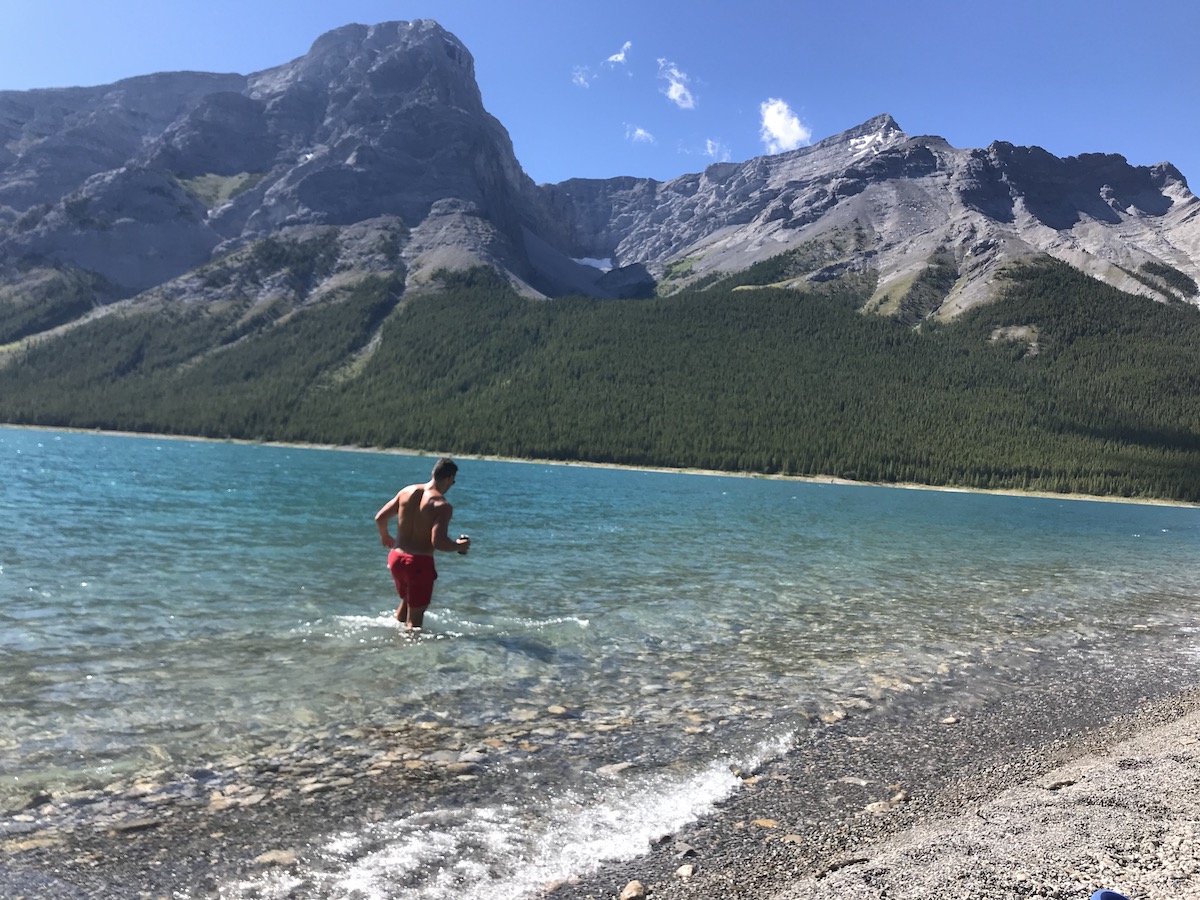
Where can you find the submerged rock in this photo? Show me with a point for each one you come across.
(279, 858)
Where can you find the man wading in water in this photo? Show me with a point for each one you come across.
(422, 526)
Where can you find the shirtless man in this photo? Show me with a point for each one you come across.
(422, 526)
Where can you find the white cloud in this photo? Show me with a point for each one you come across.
(781, 129)
(619, 57)
(716, 150)
(677, 89)
(638, 135)
(583, 76)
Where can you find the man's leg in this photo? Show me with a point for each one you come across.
(400, 578)
(419, 589)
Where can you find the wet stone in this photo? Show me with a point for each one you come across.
(136, 825)
(316, 768)
(614, 769)
(277, 858)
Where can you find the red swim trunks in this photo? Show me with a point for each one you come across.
(414, 577)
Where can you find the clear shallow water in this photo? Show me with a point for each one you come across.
(166, 603)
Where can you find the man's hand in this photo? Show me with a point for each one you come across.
(387, 540)
(464, 544)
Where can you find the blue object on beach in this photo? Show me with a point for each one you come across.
(1108, 895)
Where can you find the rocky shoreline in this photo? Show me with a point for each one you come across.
(873, 814)
(821, 815)
(192, 832)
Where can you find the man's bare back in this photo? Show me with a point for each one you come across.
(417, 510)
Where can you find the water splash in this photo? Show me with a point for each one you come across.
(498, 852)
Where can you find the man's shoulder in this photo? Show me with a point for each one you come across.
(410, 494)
(435, 500)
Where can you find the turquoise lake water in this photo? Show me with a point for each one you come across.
(165, 603)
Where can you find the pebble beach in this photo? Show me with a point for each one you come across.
(1051, 804)
(1051, 791)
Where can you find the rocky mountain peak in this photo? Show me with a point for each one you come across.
(144, 180)
(871, 136)
(413, 62)
(876, 200)
(380, 120)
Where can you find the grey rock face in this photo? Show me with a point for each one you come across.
(51, 141)
(384, 120)
(911, 197)
(147, 179)
(136, 227)
(224, 134)
(373, 121)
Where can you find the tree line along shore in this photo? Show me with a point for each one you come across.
(1062, 385)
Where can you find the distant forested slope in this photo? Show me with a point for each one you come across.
(1064, 384)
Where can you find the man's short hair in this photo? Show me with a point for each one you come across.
(445, 468)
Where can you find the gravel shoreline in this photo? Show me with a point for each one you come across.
(930, 799)
(935, 808)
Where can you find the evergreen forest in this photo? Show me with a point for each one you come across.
(1062, 384)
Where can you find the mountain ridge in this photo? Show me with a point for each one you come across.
(258, 256)
(382, 128)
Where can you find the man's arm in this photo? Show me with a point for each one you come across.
(385, 514)
(440, 536)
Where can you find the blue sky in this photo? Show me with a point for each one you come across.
(660, 89)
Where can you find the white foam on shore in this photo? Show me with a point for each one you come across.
(499, 852)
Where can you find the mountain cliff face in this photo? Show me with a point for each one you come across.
(377, 139)
(145, 180)
(907, 200)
